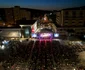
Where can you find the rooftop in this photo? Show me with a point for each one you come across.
(75, 8)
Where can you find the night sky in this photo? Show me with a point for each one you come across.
(43, 4)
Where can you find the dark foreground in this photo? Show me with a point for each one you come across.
(39, 55)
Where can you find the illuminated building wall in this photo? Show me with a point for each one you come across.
(9, 16)
(71, 17)
(16, 11)
(58, 18)
(21, 14)
(25, 14)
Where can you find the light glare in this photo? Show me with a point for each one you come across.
(56, 35)
(3, 47)
(34, 35)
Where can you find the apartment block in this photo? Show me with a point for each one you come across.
(71, 17)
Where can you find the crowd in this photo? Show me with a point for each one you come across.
(39, 55)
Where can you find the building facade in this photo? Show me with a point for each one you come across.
(16, 13)
(9, 16)
(25, 14)
(71, 17)
(58, 18)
